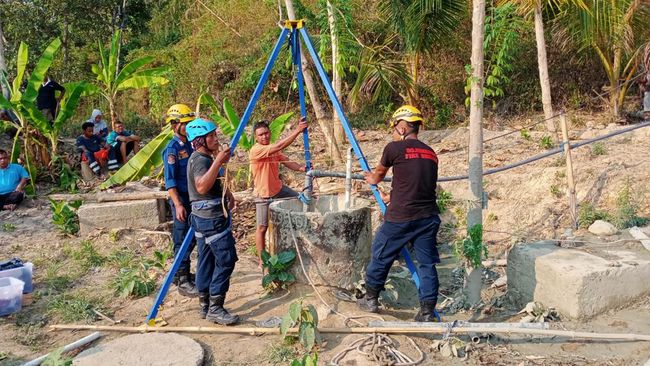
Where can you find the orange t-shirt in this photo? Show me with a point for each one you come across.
(266, 170)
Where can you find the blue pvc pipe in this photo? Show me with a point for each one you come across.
(353, 141)
(170, 276)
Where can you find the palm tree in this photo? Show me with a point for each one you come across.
(112, 80)
(615, 31)
(421, 24)
(535, 8)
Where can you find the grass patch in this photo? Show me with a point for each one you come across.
(546, 142)
(598, 149)
(280, 353)
(73, 308)
(627, 206)
(55, 280)
(8, 227)
(88, 256)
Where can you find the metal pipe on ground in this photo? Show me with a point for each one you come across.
(254, 331)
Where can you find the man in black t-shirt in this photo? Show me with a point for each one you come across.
(411, 216)
(211, 221)
(46, 100)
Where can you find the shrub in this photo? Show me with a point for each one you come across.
(278, 269)
(64, 216)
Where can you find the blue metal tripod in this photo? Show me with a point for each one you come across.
(292, 31)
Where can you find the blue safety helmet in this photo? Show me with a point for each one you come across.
(199, 127)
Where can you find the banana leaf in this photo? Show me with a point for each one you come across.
(131, 68)
(15, 148)
(114, 53)
(245, 141)
(36, 118)
(74, 92)
(206, 98)
(143, 163)
(137, 82)
(38, 73)
(278, 125)
(21, 64)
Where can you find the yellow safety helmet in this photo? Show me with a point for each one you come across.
(406, 113)
(179, 113)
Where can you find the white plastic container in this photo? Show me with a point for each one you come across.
(11, 295)
(23, 273)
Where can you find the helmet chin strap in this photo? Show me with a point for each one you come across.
(403, 136)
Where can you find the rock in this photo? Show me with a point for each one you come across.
(600, 227)
(148, 349)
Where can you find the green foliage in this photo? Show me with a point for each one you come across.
(503, 30)
(626, 208)
(587, 214)
(525, 134)
(136, 277)
(307, 360)
(8, 227)
(72, 308)
(444, 200)
(67, 176)
(280, 354)
(277, 266)
(471, 248)
(55, 280)
(598, 149)
(546, 142)
(305, 318)
(64, 216)
(88, 255)
(56, 358)
(556, 191)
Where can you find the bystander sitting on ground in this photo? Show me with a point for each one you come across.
(94, 150)
(13, 179)
(123, 142)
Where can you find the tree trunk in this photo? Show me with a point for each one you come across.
(3, 64)
(413, 90)
(475, 213)
(614, 84)
(319, 109)
(337, 83)
(111, 106)
(542, 64)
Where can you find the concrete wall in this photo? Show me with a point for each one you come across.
(334, 243)
(146, 214)
(578, 283)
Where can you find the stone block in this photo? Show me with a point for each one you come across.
(334, 242)
(577, 283)
(146, 214)
(149, 349)
(602, 228)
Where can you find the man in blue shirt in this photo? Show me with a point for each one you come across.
(13, 179)
(175, 158)
(123, 142)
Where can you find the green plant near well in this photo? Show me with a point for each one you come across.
(598, 149)
(57, 358)
(88, 255)
(71, 308)
(8, 227)
(307, 360)
(135, 281)
(64, 216)
(67, 177)
(525, 134)
(280, 354)
(305, 318)
(546, 142)
(55, 280)
(277, 266)
(444, 200)
(626, 208)
(587, 214)
(471, 249)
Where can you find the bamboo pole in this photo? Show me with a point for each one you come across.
(569, 168)
(110, 197)
(255, 331)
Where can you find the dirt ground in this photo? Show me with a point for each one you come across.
(526, 204)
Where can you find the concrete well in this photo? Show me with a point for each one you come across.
(334, 242)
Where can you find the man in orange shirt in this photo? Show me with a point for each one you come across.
(265, 161)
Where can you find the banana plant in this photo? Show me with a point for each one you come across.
(110, 80)
(143, 163)
(229, 123)
(33, 129)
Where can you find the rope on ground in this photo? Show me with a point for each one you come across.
(382, 348)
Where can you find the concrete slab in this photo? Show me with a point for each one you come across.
(578, 282)
(149, 349)
(146, 214)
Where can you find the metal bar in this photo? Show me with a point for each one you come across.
(301, 95)
(353, 140)
(258, 90)
(74, 345)
(151, 318)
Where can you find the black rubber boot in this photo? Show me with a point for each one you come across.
(370, 302)
(217, 314)
(204, 303)
(185, 286)
(426, 313)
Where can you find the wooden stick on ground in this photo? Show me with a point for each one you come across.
(362, 330)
